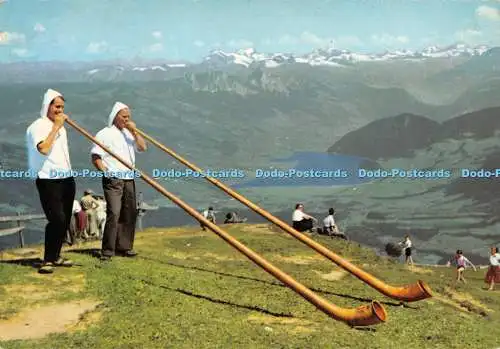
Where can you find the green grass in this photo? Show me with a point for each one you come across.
(189, 289)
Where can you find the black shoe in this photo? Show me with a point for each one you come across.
(129, 253)
(105, 258)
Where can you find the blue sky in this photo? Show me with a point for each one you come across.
(83, 30)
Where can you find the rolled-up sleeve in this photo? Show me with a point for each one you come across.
(38, 133)
(96, 149)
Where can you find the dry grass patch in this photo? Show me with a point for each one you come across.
(333, 275)
(20, 253)
(32, 293)
(264, 229)
(42, 320)
(308, 259)
(420, 270)
(290, 325)
(29, 292)
(463, 302)
(87, 319)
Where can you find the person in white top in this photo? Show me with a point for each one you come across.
(493, 273)
(73, 225)
(301, 221)
(210, 215)
(101, 215)
(121, 137)
(49, 163)
(407, 247)
(329, 226)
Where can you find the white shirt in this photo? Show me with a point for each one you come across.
(495, 260)
(297, 216)
(76, 206)
(101, 209)
(121, 143)
(329, 221)
(56, 164)
(406, 244)
(208, 213)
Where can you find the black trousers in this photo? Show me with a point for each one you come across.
(56, 197)
(121, 215)
(303, 225)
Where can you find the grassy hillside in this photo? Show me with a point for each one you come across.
(189, 289)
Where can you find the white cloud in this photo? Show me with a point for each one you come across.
(198, 43)
(488, 12)
(157, 34)
(240, 43)
(39, 28)
(156, 47)
(12, 38)
(389, 40)
(469, 36)
(97, 47)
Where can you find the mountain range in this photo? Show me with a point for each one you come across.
(218, 59)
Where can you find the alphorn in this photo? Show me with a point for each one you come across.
(364, 315)
(409, 293)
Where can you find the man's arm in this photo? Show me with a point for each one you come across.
(139, 140)
(98, 163)
(306, 216)
(45, 145)
(97, 152)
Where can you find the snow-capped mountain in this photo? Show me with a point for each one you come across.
(137, 69)
(161, 67)
(332, 57)
(337, 57)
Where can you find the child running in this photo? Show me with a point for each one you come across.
(461, 263)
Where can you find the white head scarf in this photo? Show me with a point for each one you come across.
(48, 97)
(116, 108)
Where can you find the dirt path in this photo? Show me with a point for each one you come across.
(38, 322)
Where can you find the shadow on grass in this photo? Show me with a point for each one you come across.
(393, 304)
(213, 300)
(36, 262)
(93, 252)
(96, 253)
(30, 262)
(241, 306)
(25, 262)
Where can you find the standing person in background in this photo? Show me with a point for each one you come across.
(493, 274)
(407, 247)
(73, 225)
(120, 137)
(101, 215)
(90, 205)
(49, 160)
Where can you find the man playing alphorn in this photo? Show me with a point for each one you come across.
(121, 138)
(49, 162)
